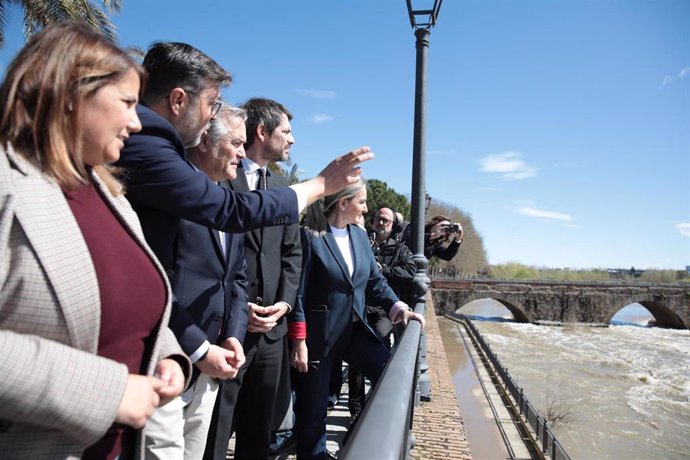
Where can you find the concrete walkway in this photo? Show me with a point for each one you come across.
(438, 425)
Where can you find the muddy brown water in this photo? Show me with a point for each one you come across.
(480, 426)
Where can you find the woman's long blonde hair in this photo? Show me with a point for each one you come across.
(42, 93)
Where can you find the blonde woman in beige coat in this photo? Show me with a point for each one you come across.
(84, 304)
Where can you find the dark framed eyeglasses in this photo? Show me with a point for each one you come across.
(215, 103)
(215, 107)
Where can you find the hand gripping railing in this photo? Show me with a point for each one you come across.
(382, 430)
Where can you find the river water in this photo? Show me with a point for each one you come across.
(624, 390)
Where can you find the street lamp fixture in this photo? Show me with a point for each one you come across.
(423, 15)
(427, 201)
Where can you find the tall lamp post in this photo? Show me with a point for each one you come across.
(422, 18)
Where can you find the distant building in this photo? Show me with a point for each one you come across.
(622, 272)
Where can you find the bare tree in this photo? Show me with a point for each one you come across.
(557, 410)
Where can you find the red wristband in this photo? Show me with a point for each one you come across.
(297, 330)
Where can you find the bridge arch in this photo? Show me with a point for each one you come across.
(515, 309)
(663, 315)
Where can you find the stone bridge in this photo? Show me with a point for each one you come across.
(531, 301)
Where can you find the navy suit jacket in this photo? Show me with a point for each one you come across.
(163, 188)
(274, 258)
(329, 297)
(210, 287)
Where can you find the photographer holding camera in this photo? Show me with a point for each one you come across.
(441, 238)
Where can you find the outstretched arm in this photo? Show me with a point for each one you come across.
(339, 173)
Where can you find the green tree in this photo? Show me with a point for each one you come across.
(38, 14)
(380, 195)
(137, 53)
(288, 170)
(514, 271)
(662, 276)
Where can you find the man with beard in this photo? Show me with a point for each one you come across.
(274, 261)
(181, 96)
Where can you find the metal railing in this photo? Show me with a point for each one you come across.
(549, 444)
(382, 430)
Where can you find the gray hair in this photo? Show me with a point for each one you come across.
(315, 217)
(220, 125)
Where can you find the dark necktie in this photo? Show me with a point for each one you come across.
(261, 185)
(262, 179)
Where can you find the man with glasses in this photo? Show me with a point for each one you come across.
(179, 101)
(393, 257)
(177, 104)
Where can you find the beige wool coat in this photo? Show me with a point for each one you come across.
(57, 396)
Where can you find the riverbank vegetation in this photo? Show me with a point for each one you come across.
(517, 271)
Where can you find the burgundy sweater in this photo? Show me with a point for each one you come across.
(132, 297)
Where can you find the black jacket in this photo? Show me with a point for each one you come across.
(397, 265)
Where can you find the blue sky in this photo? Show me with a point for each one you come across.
(562, 126)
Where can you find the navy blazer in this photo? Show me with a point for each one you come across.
(210, 287)
(163, 188)
(330, 298)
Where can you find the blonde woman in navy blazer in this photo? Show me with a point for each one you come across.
(339, 277)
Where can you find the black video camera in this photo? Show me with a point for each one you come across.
(451, 228)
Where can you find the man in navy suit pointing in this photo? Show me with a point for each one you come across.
(180, 99)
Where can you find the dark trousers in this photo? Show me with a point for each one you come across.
(378, 318)
(366, 353)
(248, 401)
(336, 381)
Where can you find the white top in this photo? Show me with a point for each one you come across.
(251, 169)
(342, 238)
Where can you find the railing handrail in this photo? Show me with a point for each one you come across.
(383, 428)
